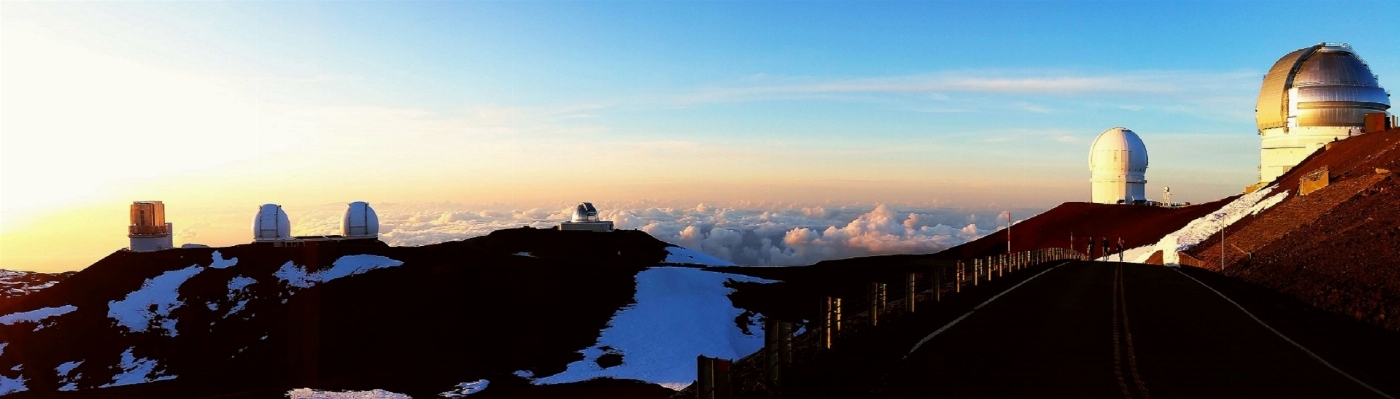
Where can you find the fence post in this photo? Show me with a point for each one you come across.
(827, 311)
(785, 343)
(884, 297)
(771, 343)
(724, 389)
(937, 283)
(958, 274)
(874, 304)
(836, 305)
(976, 271)
(705, 377)
(909, 292)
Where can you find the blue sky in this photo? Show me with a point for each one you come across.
(982, 105)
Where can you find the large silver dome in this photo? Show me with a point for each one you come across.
(1323, 85)
(1311, 97)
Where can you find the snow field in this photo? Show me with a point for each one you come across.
(1206, 226)
(136, 371)
(308, 393)
(220, 263)
(69, 383)
(466, 388)
(34, 316)
(349, 265)
(679, 313)
(161, 291)
(11, 385)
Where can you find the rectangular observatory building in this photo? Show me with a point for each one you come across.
(148, 230)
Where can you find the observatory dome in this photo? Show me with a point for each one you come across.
(360, 221)
(585, 212)
(271, 224)
(1118, 165)
(1310, 97)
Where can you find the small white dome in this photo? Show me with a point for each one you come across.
(585, 212)
(360, 221)
(1118, 151)
(271, 223)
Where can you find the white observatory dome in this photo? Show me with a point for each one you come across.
(271, 224)
(585, 212)
(360, 221)
(1118, 163)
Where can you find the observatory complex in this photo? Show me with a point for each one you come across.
(272, 226)
(1310, 97)
(148, 230)
(586, 219)
(1118, 167)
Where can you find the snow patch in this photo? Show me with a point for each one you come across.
(308, 393)
(221, 263)
(682, 255)
(162, 292)
(679, 313)
(524, 373)
(237, 291)
(1204, 227)
(525, 254)
(136, 371)
(34, 316)
(2, 347)
(69, 383)
(11, 385)
(466, 388)
(346, 266)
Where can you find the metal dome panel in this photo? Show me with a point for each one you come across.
(1334, 67)
(1323, 85)
(271, 223)
(1272, 109)
(360, 221)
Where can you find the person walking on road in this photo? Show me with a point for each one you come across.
(1104, 251)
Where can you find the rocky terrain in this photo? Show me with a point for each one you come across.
(257, 321)
(1337, 248)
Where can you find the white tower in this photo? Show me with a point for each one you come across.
(148, 230)
(1311, 97)
(1118, 163)
(271, 224)
(360, 221)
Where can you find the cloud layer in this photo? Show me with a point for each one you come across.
(746, 235)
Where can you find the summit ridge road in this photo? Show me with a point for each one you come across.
(1125, 330)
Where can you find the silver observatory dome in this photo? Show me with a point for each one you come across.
(1323, 85)
(1310, 97)
(585, 212)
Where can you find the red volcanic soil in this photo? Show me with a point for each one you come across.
(1136, 225)
(451, 313)
(1337, 248)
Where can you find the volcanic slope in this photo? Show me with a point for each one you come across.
(256, 320)
(1337, 248)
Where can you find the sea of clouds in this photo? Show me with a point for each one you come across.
(745, 234)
